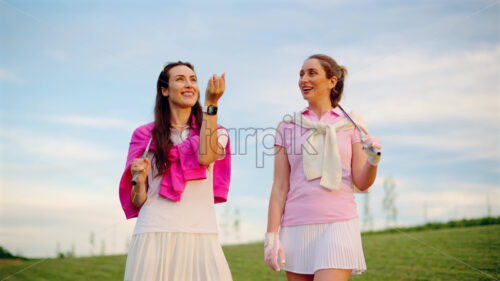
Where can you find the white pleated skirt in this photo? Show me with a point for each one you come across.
(309, 248)
(174, 256)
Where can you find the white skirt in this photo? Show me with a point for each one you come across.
(309, 248)
(173, 256)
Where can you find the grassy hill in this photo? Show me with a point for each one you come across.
(464, 253)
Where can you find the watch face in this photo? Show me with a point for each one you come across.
(211, 110)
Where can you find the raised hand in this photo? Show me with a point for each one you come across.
(215, 88)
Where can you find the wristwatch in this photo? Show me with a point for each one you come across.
(210, 110)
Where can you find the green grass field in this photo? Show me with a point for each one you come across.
(468, 253)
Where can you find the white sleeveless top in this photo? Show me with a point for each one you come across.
(194, 213)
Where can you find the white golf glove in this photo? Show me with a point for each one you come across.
(373, 149)
(273, 250)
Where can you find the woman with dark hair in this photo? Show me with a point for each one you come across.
(321, 158)
(186, 170)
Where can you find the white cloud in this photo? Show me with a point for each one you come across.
(58, 55)
(16, 168)
(446, 199)
(8, 76)
(442, 205)
(418, 87)
(468, 144)
(93, 122)
(54, 148)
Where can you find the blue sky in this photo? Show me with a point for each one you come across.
(77, 77)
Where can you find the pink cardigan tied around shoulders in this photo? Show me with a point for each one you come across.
(183, 167)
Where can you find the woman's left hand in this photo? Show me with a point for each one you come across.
(215, 89)
(372, 148)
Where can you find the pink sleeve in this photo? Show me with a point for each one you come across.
(355, 137)
(222, 174)
(125, 183)
(138, 143)
(280, 135)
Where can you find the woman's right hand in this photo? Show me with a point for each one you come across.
(273, 250)
(215, 89)
(141, 165)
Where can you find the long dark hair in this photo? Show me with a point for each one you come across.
(332, 68)
(161, 131)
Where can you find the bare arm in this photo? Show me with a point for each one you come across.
(363, 173)
(281, 186)
(209, 148)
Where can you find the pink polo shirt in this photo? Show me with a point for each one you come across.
(307, 202)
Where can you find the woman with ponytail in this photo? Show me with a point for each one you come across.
(321, 159)
(186, 169)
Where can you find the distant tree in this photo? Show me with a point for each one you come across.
(488, 206)
(92, 243)
(5, 254)
(59, 253)
(103, 247)
(425, 212)
(71, 252)
(113, 242)
(367, 215)
(226, 222)
(236, 224)
(389, 202)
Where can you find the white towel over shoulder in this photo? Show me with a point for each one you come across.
(321, 155)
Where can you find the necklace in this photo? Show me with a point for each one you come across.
(178, 125)
(179, 131)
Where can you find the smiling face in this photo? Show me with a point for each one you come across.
(313, 83)
(182, 88)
